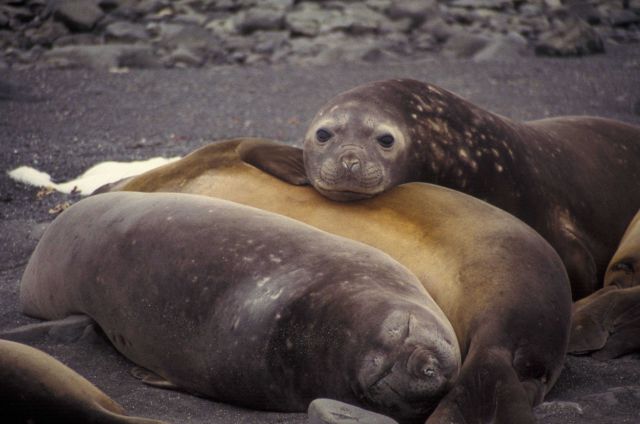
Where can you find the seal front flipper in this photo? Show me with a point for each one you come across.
(607, 322)
(152, 379)
(66, 330)
(279, 160)
(488, 390)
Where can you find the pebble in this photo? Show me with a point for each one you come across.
(207, 33)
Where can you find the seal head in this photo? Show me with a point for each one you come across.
(354, 144)
(412, 363)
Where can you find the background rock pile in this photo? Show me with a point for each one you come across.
(114, 34)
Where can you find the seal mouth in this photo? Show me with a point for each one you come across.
(343, 195)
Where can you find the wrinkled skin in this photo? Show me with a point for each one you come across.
(573, 179)
(244, 306)
(492, 275)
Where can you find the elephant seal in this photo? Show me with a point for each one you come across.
(501, 285)
(244, 306)
(38, 388)
(624, 267)
(573, 179)
(608, 321)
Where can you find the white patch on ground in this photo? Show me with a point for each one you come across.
(93, 178)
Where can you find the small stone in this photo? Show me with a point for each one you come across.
(503, 48)
(574, 38)
(81, 15)
(47, 33)
(256, 19)
(623, 18)
(268, 42)
(183, 56)
(465, 45)
(327, 411)
(362, 19)
(125, 31)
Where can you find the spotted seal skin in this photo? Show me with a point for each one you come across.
(37, 388)
(608, 321)
(503, 288)
(245, 306)
(573, 179)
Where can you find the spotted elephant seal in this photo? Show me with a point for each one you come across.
(244, 306)
(573, 179)
(37, 388)
(608, 321)
(501, 285)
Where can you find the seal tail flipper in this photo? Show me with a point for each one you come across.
(152, 379)
(607, 322)
(488, 390)
(66, 330)
(281, 161)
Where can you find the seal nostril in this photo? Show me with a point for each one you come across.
(421, 364)
(351, 164)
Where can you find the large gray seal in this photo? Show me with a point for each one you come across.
(501, 285)
(573, 179)
(608, 321)
(245, 306)
(37, 388)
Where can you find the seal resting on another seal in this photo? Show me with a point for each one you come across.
(244, 306)
(37, 388)
(501, 285)
(573, 179)
(608, 321)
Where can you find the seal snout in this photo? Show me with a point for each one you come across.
(421, 364)
(351, 163)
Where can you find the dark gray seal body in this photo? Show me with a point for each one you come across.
(573, 179)
(37, 388)
(245, 306)
(501, 285)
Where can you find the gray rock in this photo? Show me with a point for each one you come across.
(623, 18)
(268, 42)
(183, 57)
(103, 56)
(125, 31)
(465, 45)
(262, 18)
(78, 38)
(379, 5)
(574, 38)
(47, 33)
(327, 411)
(81, 15)
(417, 11)
(503, 47)
(362, 19)
(483, 4)
(221, 27)
(305, 19)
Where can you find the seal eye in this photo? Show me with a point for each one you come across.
(323, 135)
(386, 140)
(624, 267)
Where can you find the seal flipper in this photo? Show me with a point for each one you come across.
(607, 322)
(281, 161)
(66, 330)
(152, 379)
(487, 390)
